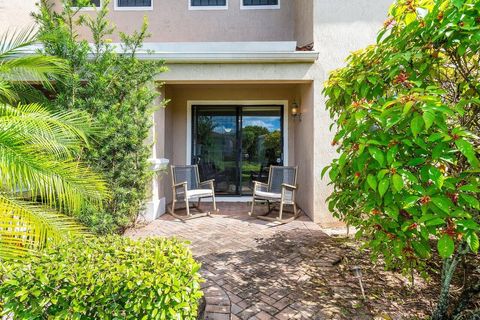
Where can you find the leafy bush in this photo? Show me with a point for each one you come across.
(407, 115)
(105, 278)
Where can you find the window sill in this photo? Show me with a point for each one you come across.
(259, 7)
(206, 8)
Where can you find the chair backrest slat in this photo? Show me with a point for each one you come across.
(187, 174)
(279, 175)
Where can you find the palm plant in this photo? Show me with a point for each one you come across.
(41, 180)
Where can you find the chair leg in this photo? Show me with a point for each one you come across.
(214, 201)
(280, 213)
(253, 207)
(188, 206)
(198, 203)
(295, 210)
(173, 205)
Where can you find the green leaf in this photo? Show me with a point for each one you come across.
(436, 176)
(392, 212)
(377, 154)
(410, 201)
(407, 107)
(468, 151)
(445, 246)
(324, 170)
(468, 224)
(443, 203)
(391, 154)
(472, 241)
(397, 182)
(372, 182)
(428, 118)
(435, 222)
(422, 249)
(435, 136)
(472, 201)
(383, 186)
(416, 125)
(415, 161)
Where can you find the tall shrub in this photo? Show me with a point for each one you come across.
(118, 90)
(407, 116)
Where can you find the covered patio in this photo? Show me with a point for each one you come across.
(256, 269)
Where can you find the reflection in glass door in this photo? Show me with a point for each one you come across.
(215, 146)
(236, 144)
(261, 144)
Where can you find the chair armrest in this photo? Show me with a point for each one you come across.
(210, 182)
(181, 184)
(289, 186)
(260, 186)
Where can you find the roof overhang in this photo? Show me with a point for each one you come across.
(222, 52)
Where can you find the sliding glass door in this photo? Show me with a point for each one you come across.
(236, 144)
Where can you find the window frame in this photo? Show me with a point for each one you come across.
(89, 8)
(259, 6)
(194, 8)
(116, 7)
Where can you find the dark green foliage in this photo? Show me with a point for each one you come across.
(118, 90)
(407, 115)
(104, 278)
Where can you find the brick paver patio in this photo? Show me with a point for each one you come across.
(255, 269)
(260, 270)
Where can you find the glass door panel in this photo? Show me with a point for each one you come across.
(216, 145)
(236, 145)
(262, 144)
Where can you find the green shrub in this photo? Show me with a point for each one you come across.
(104, 278)
(118, 90)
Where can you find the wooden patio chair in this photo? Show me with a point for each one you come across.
(186, 187)
(281, 188)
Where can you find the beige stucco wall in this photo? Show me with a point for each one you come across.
(303, 22)
(172, 21)
(16, 14)
(340, 28)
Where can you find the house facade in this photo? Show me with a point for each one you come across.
(244, 85)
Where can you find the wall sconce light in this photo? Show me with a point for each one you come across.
(296, 114)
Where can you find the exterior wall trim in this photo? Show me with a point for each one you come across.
(234, 57)
(190, 103)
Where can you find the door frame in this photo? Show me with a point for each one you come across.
(190, 103)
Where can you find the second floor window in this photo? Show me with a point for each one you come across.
(89, 3)
(247, 3)
(134, 3)
(208, 3)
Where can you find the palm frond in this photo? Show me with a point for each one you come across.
(27, 227)
(15, 67)
(34, 121)
(35, 156)
(32, 68)
(15, 41)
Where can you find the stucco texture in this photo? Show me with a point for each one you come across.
(172, 21)
(16, 14)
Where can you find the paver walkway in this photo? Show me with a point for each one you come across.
(260, 270)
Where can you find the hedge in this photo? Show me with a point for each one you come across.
(104, 278)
